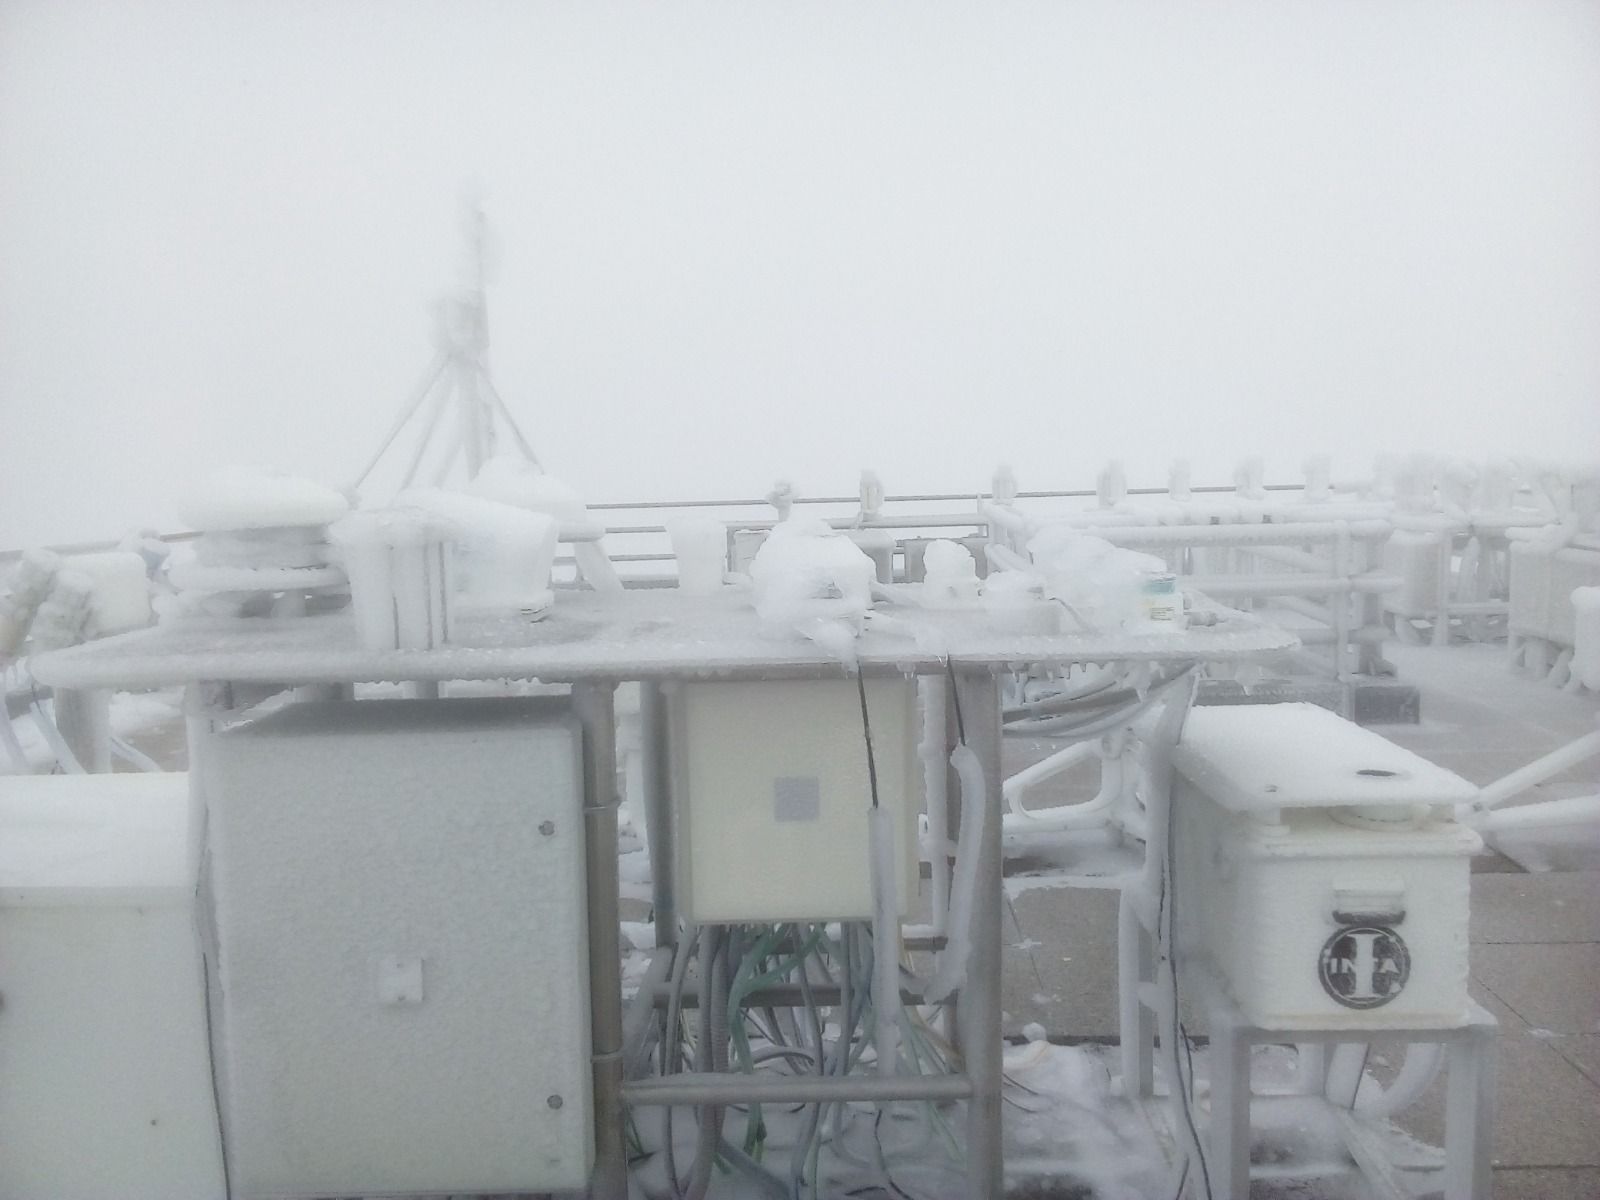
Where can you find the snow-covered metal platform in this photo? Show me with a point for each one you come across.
(646, 634)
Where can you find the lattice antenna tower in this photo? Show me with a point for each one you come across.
(456, 384)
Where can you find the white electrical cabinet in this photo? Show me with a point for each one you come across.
(771, 792)
(401, 978)
(105, 1088)
(1320, 870)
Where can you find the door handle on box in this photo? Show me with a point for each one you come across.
(1388, 916)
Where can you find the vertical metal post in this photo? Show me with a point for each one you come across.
(654, 748)
(1343, 603)
(1469, 1114)
(936, 787)
(950, 1023)
(1370, 610)
(1229, 1136)
(1442, 589)
(197, 732)
(1138, 916)
(595, 706)
(978, 1012)
(1136, 1023)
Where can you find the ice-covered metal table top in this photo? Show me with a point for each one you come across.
(643, 634)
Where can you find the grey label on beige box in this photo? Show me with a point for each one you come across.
(796, 798)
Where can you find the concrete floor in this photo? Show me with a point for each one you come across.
(1535, 935)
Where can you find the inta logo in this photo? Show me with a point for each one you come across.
(1364, 966)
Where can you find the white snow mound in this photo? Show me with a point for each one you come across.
(241, 497)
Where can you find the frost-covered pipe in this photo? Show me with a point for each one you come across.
(134, 756)
(712, 1055)
(1347, 1071)
(58, 745)
(951, 971)
(8, 737)
(936, 797)
(1003, 558)
(1017, 786)
(1536, 772)
(1088, 726)
(1575, 810)
(1291, 533)
(1416, 1075)
(1076, 816)
(1343, 1077)
(885, 941)
(28, 585)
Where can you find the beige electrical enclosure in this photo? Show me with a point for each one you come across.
(771, 793)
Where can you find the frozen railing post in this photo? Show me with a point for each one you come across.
(1179, 487)
(1548, 565)
(1111, 488)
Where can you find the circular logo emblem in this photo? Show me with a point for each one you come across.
(1364, 966)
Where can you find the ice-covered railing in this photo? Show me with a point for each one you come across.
(1553, 572)
(49, 601)
(1309, 551)
(1457, 524)
(639, 530)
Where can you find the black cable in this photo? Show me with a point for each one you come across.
(1183, 1178)
(1183, 1087)
(216, 1088)
(883, 1162)
(1361, 1073)
(866, 732)
(955, 696)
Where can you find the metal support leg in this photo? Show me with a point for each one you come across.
(1136, 1023)
(1441, 597)
(1469, 1115)
(596, 710)
(978, 1011)
(653, 745)
(1137, 933)
(950, 1024)
(1228, 1151)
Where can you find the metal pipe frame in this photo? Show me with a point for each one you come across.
(595, 706)
(931, 692)
(655, 751)
(977, 1016)
(692, 1087)
(1288, 585)
(1241, 535)
(777, 995)
(640, 1024)
(1469, 1096)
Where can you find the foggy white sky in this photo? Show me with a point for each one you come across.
(741, 241)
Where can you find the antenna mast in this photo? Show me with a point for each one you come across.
(458, 377)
